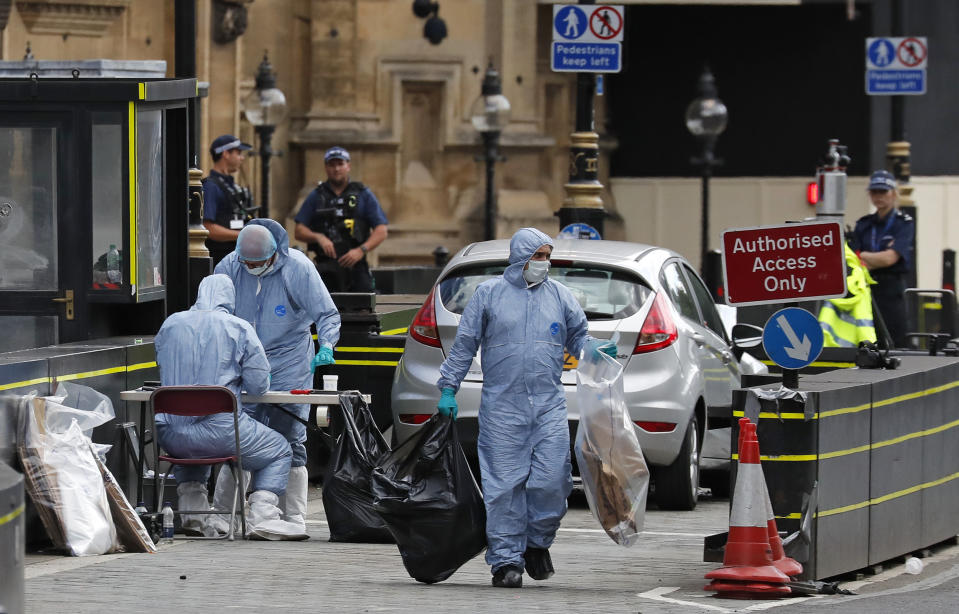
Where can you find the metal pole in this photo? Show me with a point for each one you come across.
(490, 143)
(708, 162)
(704, 245)
(266, 152)
(583, 202)
(585, 88)
(898, 102)
(185, 64)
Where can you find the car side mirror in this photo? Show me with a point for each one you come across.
(746, 336)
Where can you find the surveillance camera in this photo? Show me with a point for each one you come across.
(435, 30)
(423, 8)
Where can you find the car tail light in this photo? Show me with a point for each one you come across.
(414, 418)
(658, 330)
(654, 427)
(423, 328)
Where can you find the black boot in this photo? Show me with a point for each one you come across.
(509, 576)
(539, 565)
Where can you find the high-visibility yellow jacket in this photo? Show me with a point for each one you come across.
(847, 321)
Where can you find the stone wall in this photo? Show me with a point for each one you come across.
(358, 73)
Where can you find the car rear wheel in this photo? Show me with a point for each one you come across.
(677, 484)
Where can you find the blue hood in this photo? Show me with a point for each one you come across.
(282, 240)
(216, 293)
(521, 248)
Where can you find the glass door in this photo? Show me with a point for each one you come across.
(40, 234)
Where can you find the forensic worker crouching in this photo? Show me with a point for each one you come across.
(523, 321)
(280, 293)
(209, 346)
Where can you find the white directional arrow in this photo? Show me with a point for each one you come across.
(798, 350)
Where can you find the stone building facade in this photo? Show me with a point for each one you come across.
(360, 74)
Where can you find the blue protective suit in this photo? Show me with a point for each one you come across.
(208, 346)
(523, 445)
(281, 304)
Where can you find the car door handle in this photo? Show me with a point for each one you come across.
(699, 339)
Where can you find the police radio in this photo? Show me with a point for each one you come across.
(831, 177)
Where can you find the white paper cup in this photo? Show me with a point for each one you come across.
(330, 382)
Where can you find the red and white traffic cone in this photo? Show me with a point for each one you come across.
(747, 569)
(789, 566)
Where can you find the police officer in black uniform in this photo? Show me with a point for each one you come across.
(884, 241)
(227, 207)
(341, 221)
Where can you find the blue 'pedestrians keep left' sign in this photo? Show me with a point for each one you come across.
(792, 338)
(586, 57)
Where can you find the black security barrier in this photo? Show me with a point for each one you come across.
(869, 458)
(372, 339)
(11, 540)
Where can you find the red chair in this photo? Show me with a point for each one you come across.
(202, 401)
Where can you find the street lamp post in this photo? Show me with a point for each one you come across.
(265, 107)
(706, 119)
(490, 115)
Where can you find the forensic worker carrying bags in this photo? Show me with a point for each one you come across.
(347, 498)
(611, 464)
(427, 495)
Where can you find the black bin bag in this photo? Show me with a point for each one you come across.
(347, 498)
(426, 493)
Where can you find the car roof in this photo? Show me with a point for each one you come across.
(612, 252)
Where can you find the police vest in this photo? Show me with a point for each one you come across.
(847, 321)
(238, 198)
(336, 216)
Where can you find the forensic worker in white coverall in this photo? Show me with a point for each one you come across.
(523, 321)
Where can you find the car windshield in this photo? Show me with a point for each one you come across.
(604, 294)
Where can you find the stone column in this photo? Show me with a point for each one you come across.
(333, 61)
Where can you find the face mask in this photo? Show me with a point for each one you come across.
(260, 270)
(537, 271)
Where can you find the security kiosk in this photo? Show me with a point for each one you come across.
(93, 206)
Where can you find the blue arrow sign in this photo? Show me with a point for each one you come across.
(792, 338)
(579, 230)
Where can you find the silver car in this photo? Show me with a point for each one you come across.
(679, 364)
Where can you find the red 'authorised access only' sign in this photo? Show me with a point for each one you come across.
(791, 262)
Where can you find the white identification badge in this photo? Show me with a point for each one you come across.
(236, 224)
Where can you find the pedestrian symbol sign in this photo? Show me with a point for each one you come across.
(587, 38)
(911, 52)
(606, 24)
(881, 52)
(896, 65)
(570, 21)
(792, 338)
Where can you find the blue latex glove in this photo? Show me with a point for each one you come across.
(447, 405)
(323, 357)
(595, 346)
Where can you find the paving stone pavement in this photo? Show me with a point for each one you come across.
(593, 573)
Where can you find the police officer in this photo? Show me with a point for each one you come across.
(884, 240)
(226, 206)
(341, 221)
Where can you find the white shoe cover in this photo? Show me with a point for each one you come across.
(223, 497)
(192, 496)
(264, 520)
(297, 490)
